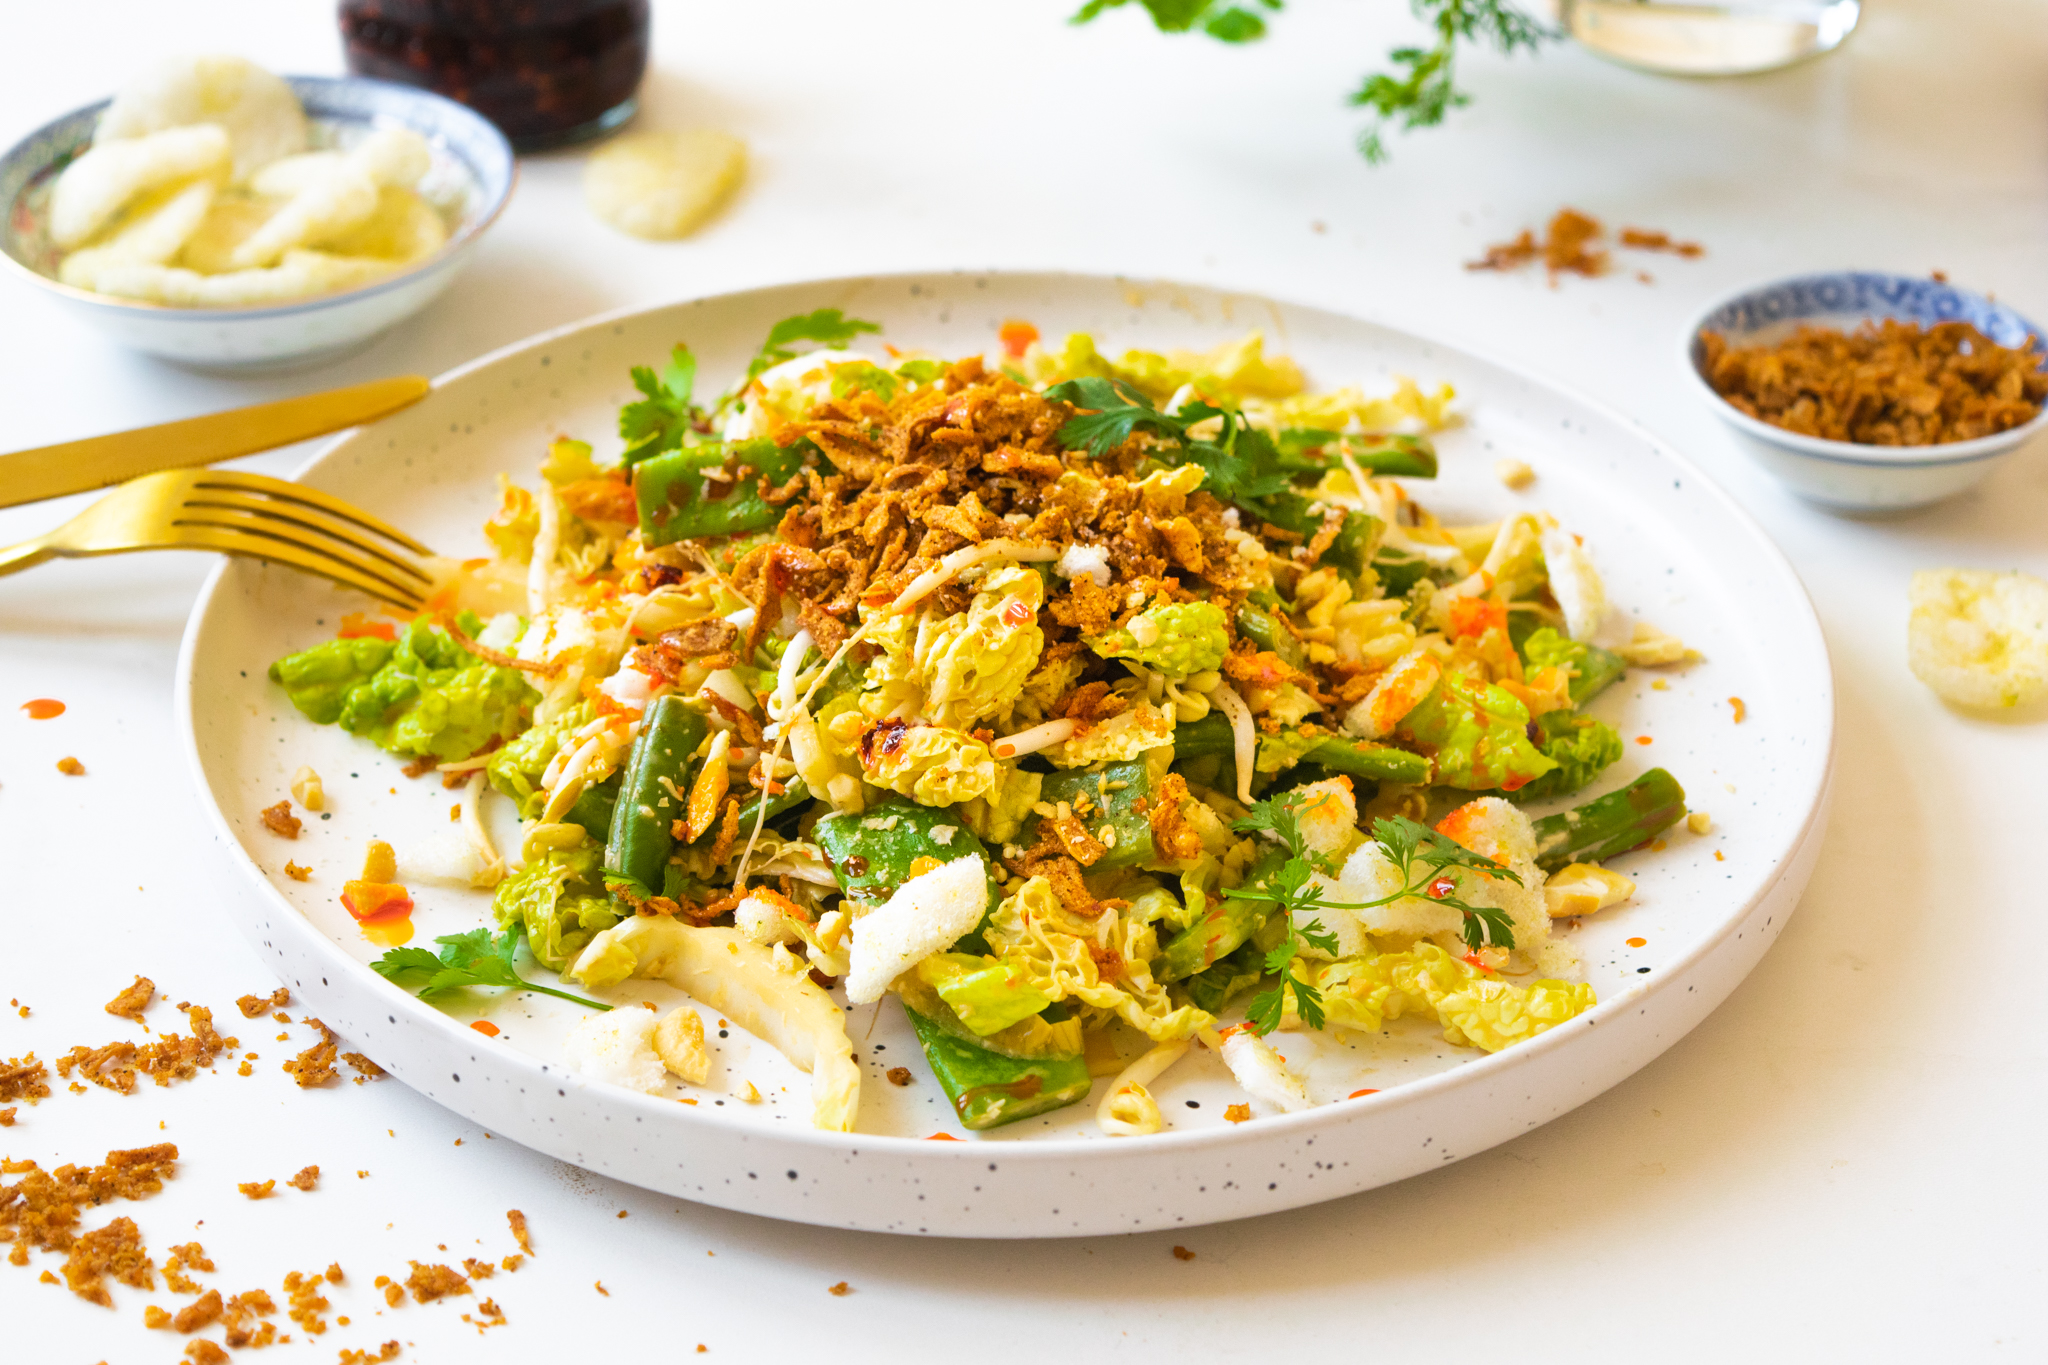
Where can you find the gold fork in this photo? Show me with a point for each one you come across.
(241, 514)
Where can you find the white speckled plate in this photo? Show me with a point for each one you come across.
(1673, 548)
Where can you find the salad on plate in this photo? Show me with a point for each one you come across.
(1071, 701)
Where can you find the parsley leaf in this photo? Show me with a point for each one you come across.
(471, 959)
(664, 418)
(1113, 412)
(828, 327)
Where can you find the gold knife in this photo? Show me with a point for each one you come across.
(98, 461)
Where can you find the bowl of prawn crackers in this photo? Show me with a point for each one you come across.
(223, 217)
(1866, 391)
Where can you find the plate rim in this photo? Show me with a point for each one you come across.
(1480, 1071)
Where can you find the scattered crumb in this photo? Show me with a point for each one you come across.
(172, 1057)
(389, 1351)
(1720, 857)
(333, 1272)
(900, 1075)
(1699, 822)
(622, 1213)
(1660, 685)
(1654, 239)
(306, 1179)
(257, 1189)
(369, 1070)
(599, 1284)
(24, 1078)
(394, 1294)
(245, 1069)
(430, 1282)
(240, 1309)
(116, 1250)
(70, 767)
(1516, 474)
(840, 1290)
(253, 1005)
(297, 873)
(1238, 1113)
(154, 1318)
(202, 1312)
(306, 1303)
(7, 1117)
(1741, 709)
(130, 1004)
(512, 1263)
(1183, 1254)
(315, 1066)
(1570, 247)
(518, 1222)
(204, 1352)
(455, 812)
(479, 1270)
(279, 820)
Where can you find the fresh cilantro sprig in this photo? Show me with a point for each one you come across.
(1410, 845)
(471, 959)
(828, 327)
(1425, 860)
(1241, 463)
(665, 417)
(1419, 97)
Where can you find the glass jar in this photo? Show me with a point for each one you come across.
(1709, 37)
(547, 72)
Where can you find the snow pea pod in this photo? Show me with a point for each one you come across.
(988, 1089)
(873, 853)
(794, 794)
(595, 808)
(679, 499)
(1109, 800)
(1223, 927)
(1268, 631)
(640, 839)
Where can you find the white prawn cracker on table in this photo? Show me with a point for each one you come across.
(663, 185)
(1979, 638)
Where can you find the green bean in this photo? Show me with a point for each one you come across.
(1268, 631)
(1222, 926)
(1612, 824)
(640, 837)
(678, 501)
(594, 808)
(1106, 799)
(988, 1089)
(1381, 762)
(794, 794)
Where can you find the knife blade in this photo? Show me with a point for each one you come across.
(101, 461)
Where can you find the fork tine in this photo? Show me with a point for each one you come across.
(313, 527)
(279, 549)
(213, 480)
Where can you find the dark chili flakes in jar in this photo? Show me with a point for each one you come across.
(545, 71)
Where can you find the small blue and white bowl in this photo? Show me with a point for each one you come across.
(470, 182)
(1844, 474)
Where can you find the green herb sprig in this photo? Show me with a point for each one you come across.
(471, 959)
(665, 417)
(1241, 462)
(1418, 97)
(1425, 860)
(828, 327)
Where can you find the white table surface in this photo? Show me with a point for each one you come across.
(1841, 1163)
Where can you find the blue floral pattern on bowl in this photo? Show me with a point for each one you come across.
(1867, 294)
